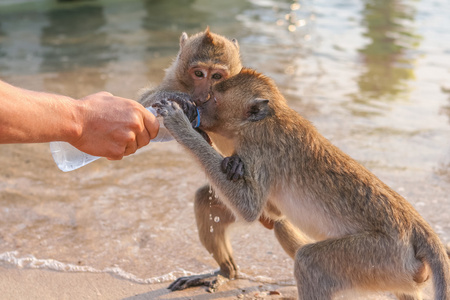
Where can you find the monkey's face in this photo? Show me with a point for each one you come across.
(203, 76)
(204, 60)
(236, 103)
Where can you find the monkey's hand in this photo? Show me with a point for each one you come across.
(233, 167)
(187, 106)
(184, 101)
(174, 119)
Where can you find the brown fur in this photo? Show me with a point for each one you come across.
(207, 51)
(210, 52)
(367, 235)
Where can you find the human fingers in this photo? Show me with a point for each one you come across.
(151, 125)
(131, 147)
(142, 138)
(117, 155)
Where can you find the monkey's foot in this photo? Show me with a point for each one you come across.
(210, 280)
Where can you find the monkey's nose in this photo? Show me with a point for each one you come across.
(201, 100)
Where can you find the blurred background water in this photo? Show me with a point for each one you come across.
(372, 75)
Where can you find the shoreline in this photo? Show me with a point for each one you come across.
(20, 283)
(27, 284)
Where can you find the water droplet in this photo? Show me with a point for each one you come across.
(210, 198)
(211, 229)
(301, 23)
(210, 217)
(295, 6)
(216, 219)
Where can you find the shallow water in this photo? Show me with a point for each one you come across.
(372, 75)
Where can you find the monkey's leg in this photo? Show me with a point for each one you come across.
(290, 237)
(214, 237)
(368, 260)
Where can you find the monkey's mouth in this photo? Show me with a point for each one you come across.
(209, 97)
(199, 101)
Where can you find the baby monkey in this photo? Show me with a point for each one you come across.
(367, 236)
(203, 60)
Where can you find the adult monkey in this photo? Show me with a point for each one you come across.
(203, 60)
(366, 235)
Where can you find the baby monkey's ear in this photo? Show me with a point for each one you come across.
(257, 110)
(183, 38)
(235, 42)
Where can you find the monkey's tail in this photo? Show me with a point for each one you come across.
(430, 249)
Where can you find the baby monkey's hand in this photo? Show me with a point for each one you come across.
(186, 104)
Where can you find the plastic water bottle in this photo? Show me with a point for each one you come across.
(69, 158)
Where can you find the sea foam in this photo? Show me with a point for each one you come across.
(31, 262)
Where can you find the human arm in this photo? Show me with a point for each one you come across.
(100, 124)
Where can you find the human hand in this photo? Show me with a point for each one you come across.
(112, 126)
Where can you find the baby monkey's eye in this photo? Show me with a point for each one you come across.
(198, 73)
(217, 76)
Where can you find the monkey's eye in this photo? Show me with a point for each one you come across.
(198, 73)
(217, 76)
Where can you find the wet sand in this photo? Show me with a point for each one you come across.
(43, 284)
(23, 284)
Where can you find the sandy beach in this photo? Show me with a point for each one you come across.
(21, 284)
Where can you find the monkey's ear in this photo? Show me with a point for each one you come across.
(235, 42)
(183, 39)
(258, 110)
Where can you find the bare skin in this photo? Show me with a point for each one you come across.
(366, 236)
(100, 124)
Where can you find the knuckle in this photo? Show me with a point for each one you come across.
(105, 94)
(129, 138)
(116, 155)
(130, 150)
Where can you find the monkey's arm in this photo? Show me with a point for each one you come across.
(151, 96)
(246, 197)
